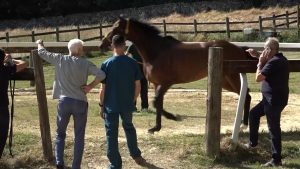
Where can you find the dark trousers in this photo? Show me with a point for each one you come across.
(144, 93)
(112, 133)
(4, 125)
(273, 113)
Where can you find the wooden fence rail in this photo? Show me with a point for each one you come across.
(274, 23)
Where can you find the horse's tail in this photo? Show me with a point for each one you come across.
(244, 48)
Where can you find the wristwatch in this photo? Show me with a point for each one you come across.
(101, 105)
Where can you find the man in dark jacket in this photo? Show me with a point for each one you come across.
(6, 71)
(273, 73)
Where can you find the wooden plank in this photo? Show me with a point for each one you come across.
(43, 108)
(249, 66)
(260, 45)
(26, 47)
(61, 47)
(214, 98)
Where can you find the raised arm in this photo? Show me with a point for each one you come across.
(50, 57)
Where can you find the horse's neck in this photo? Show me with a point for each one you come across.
(147, 46)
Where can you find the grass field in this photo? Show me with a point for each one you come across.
(179, 145)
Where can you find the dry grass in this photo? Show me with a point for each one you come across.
(158, 149)
(201, 16)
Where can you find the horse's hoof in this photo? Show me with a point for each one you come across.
(153, 130)
(178, 118)
(150, 131)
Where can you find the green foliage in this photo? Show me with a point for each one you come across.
(289, 36)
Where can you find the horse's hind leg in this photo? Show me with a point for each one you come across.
(160, 91)
(247, 108)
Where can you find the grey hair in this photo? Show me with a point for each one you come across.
(273, 43)
(74, 45)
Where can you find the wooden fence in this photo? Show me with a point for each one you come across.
(273, 24)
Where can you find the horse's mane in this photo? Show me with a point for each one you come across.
(150, 29)
(165, 41)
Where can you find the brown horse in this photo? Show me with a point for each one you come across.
(168, 61)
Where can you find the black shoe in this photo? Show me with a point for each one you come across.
(60, 166)
(272, 163)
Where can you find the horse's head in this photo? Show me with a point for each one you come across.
(120, 27)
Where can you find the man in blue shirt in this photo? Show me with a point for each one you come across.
(273, 72)
(119, 91)
(5, 73)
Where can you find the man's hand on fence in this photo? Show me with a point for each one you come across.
(40, 44)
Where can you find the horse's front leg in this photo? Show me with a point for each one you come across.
(160, 91)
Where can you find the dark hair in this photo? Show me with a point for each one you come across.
(2, 56)
(118, 40)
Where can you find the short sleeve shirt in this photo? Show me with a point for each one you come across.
(5, 73)
(121, 74)
(275, 88)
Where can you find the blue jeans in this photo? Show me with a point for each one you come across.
(67, 107)
(111, 126)
(273, 113)
(4, 126)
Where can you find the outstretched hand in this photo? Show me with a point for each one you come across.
(253, 53)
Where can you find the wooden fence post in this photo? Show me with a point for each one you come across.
(42, 104)
(260, 25)
(7, 36)
(32, 82)
(287, 19)
(298, 20)
(31, 65)
(165, 27)
(57, 34)
(274, 22)
(214, 94)
(32, 36)
(195, 27)
(227, 27)
(78, 31)
(100, 31)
